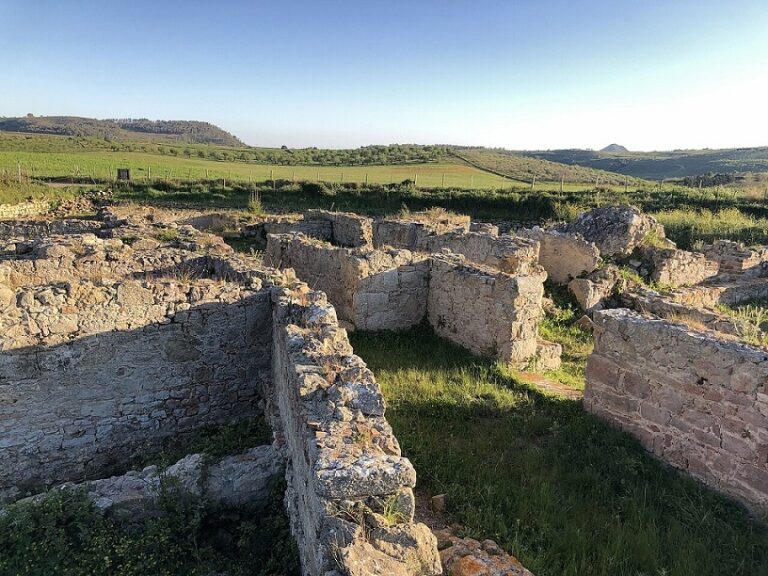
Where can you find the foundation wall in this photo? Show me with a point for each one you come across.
(10, 211)
(484, 310)
(509, 254)
(698, 403)
(371, 290)
(344, 466)
(90, 374)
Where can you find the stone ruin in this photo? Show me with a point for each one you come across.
(668, 364)
(478, 289)
(119, 338)
(118, 335)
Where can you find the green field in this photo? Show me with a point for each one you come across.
(102, 165)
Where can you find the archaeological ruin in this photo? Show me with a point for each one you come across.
(121, 332)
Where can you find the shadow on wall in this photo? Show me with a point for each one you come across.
(81, 409)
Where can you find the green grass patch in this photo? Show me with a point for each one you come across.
(566, 493)
(14, 192)
(561, 327)
(688, 227)
(64, 534)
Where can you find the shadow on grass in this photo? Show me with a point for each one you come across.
(563, 491)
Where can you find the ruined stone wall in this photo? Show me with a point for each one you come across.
(672, 267)
(106, 350)
(486, 311)
(483, 309)
(10, 211)
(370, 289)
(29, 229)
(347, 229)
(736, 258)
(506, 253)
(90, 374)
(563, 256)
(344, 466)
(697, 402)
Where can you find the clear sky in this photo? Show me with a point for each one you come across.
(533, 74)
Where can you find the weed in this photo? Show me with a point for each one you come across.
(255, 206)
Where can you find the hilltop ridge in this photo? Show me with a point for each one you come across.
(193, 131)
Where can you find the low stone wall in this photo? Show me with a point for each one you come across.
(347, 229)
(350, 492)
(229, 483)
(697, 402)
(371, 290)
(563, 256)
(10, 211)
(672, 267)
(507, 253)
(106, 350)
(484, 310)
(735, 258)
(29, 229)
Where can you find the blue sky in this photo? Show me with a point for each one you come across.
(518, 74)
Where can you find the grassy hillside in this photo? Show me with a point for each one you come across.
(524, 168)
(662, 165)
(125, 129)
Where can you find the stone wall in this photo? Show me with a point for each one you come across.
(735, 258)
(347, 229)
(488, 311)
(228, 483)
(506, 253)
(106, 350)
(672, 267)
(484, 310)
(697, 402)
(563, 256)
(10, 211)
(350, 492)
(29, 229)
(371, 289)
(91, 374)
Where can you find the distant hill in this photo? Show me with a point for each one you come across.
(523, 166)
(614, 148)
(662, 165)
(122, 129)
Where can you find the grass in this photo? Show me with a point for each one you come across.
(577, 343)
(687, 226)
(752, 317)
(64, 534)
(563, 491)
(101, 166)
(14, 192)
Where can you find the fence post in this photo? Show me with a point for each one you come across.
(19, 167)
(442, 181)
(562, 182)
(533, 183)
(366, 179)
